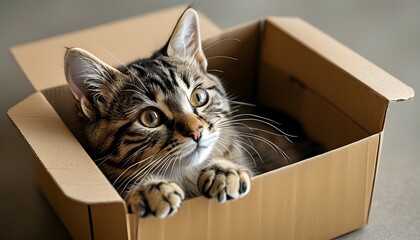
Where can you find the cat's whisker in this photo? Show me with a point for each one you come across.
(138, 164)
(223, 144)
(242, 103)
(220, 41)
(217, 121)
(236, 124)
(220, 151)
(269, 143)
(157, 164)
(128, 168)
(135, 177)
(152, 167)
(159, 167)
(256, 116)
(258, 137)
(102, 159)
(253, 129)
(246, 150)
(134, 155)
(215, 70)
(176, 159)
(271, 133)
(251, 135)
(135, 173)
(245, 138)
(166, 161)
(147, 169)
(232, 96)
(262, 120)
(250, 146)
(172, 161)
(222, 56)
(221, 120)
(133, 180)
(232, 112)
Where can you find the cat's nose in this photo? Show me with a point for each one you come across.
(189, 126)
(196, 134)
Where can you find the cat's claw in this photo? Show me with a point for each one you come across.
(224, 183)
(159, 198)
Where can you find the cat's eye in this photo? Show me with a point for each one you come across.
(199, 97)
(150, 118)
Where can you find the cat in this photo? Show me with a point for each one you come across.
(160, 124)
(163, 129)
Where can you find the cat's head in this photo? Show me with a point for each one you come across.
(166, 107)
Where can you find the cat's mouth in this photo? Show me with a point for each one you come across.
(199, 151)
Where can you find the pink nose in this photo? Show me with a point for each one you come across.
(189, 126)
(196, 135)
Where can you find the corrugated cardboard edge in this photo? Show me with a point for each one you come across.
(86, 203)
(368, 73)
(83, 221)
(62, 155)
(381, 135)
(42, 61)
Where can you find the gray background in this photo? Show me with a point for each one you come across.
(387, 32)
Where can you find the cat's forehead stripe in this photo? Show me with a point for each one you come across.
(186, 80)
(139, 69)
(169, 83)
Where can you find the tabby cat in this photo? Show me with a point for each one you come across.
(162, 128)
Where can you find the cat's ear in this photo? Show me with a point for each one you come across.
(88, 78)
(185, 41)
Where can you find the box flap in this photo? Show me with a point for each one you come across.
(42, 61)
(352, 63)
(62, 155)
(298, 52)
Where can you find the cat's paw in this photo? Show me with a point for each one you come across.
(224, 182)
(159, 198)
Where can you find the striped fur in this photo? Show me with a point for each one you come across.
(190, 152)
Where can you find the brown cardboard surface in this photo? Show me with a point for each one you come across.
(319, 198)
(281, 63)
(100, 221)
(109, 221)
(60, 153)
(74, 215)
(344, 58)
(320, 119)
(42, 61)
(234, 55)
(332, 71)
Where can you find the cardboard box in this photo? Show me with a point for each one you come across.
(283, 63)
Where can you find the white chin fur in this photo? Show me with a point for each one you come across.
(198, 154)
